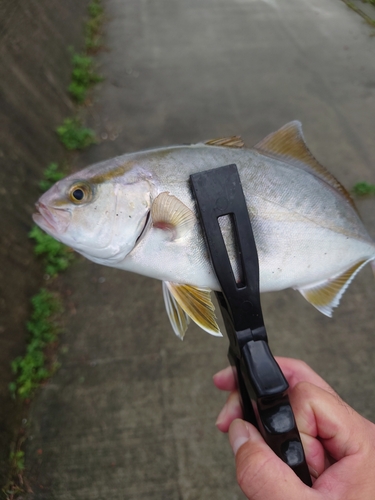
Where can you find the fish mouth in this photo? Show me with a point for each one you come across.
(51, 220)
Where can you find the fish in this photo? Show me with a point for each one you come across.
(136, 212)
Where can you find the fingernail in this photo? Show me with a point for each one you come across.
(238, 435)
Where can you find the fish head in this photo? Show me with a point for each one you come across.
(102, 220)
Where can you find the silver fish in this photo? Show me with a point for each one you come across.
(136, 212)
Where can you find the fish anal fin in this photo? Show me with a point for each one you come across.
(169, 213)
(177, 316)
(196, 303)
(327, 295)
(227, 142)
(288, 144)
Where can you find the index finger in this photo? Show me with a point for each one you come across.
(296, 371)
(225, 379)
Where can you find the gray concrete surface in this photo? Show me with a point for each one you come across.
(131, 412)
(35, 71)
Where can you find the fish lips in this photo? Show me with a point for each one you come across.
(54, 221)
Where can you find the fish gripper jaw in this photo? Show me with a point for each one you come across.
(263, 388)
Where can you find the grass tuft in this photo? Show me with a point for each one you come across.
(57, 256)
(17, 460)
(93, 40)
(83, 77)
(30, 370)
(363, 189)
(36, 365)
(50, 176)
(16, 484)
(74, 136)
(95, 9)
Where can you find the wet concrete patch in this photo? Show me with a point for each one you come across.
(34, 73)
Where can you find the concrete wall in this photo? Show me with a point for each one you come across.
(34, 73)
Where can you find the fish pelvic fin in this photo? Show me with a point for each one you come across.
(186, 301)
(177, 316)
(170, 214)
(327, 295)
(227, 142)
(288, 144)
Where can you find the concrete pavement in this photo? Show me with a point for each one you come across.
(131, 412)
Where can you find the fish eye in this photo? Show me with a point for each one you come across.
(80, 193)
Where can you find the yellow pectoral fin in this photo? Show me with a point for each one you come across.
(325, 296)
(169, 213)
(197, 304)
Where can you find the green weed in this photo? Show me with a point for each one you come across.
(359, 11)
(31, 369)
(83, 77)
(15, 485)
(17, 460)
(74, 136)
(50, 176)
(35, 366)
(95, 9)
(93, 40)
(57, 256)
(363, 189)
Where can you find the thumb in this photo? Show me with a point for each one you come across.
(260, 473)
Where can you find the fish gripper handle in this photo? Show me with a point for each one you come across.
(262, 385)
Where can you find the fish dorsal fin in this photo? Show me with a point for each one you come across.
(170, 214)
(177, 316)
(227, 142)
(288, 144)
(196, 303)
(325, 296)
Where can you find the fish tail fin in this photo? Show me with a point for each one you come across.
(327, 294)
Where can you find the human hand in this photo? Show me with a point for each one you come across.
(339, 443)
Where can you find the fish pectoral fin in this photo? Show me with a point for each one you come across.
(177, 316)
(170, 214)
(226, 142)
(288, 144)
(327, 295)
(196, 303)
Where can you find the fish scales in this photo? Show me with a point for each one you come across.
(136, 212)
